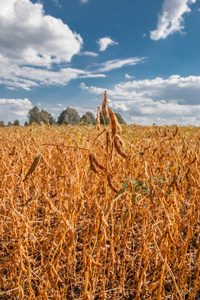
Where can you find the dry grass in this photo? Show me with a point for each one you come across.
(65, 234)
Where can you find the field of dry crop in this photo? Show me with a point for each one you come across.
(79, 220)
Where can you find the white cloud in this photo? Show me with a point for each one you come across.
(84, 1)
(105, 42)
(31, 42)
(171, 18)
(127, 76)
(15, 76)
(29, 37)
(163, 101)
(89, 53)
(119, 63)
(92, 75)
(83, 86)
(12, 109)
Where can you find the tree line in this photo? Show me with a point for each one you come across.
(67, 116)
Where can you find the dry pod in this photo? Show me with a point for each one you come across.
(98, 164)
(117, 124)
(104, 111)
(111, 152)
(98, 118)
(175, 132)
(108, 139)
(118, 137)
(92, 165)
(111, 185)
(113, 122)
(33, 166)
(95, 263)
(119, 150)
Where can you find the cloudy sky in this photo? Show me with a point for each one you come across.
(64, 53)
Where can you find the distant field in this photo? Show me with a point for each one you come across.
(124, 227)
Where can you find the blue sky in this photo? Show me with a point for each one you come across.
(60, 53)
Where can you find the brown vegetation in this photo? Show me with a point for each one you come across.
(130, 230)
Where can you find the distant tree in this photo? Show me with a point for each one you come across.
(69, 116)
(16, 123)
(47, 117)
(36, 116)
(26, 123)
(9, 124)
(119, 118)
(2, 124)
(84, 120)
(88, 118)
(91, 117)
(106, 119)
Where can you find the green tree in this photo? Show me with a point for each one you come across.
(26, 123)
(9, 124)
(88, 118)
(119, 118)
(2, 124)
(47, 117)
(106, 119)
(36, 116)
(69, 116)
(16, 123)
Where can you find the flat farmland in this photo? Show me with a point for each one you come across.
(88, 215)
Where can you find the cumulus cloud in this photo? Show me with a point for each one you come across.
(171, 18)
(163, 101)
(28, 36)
(11, 109)
(119, 63)
(31, 43)
(105, 42)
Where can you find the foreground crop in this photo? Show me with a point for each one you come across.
(65, 234)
